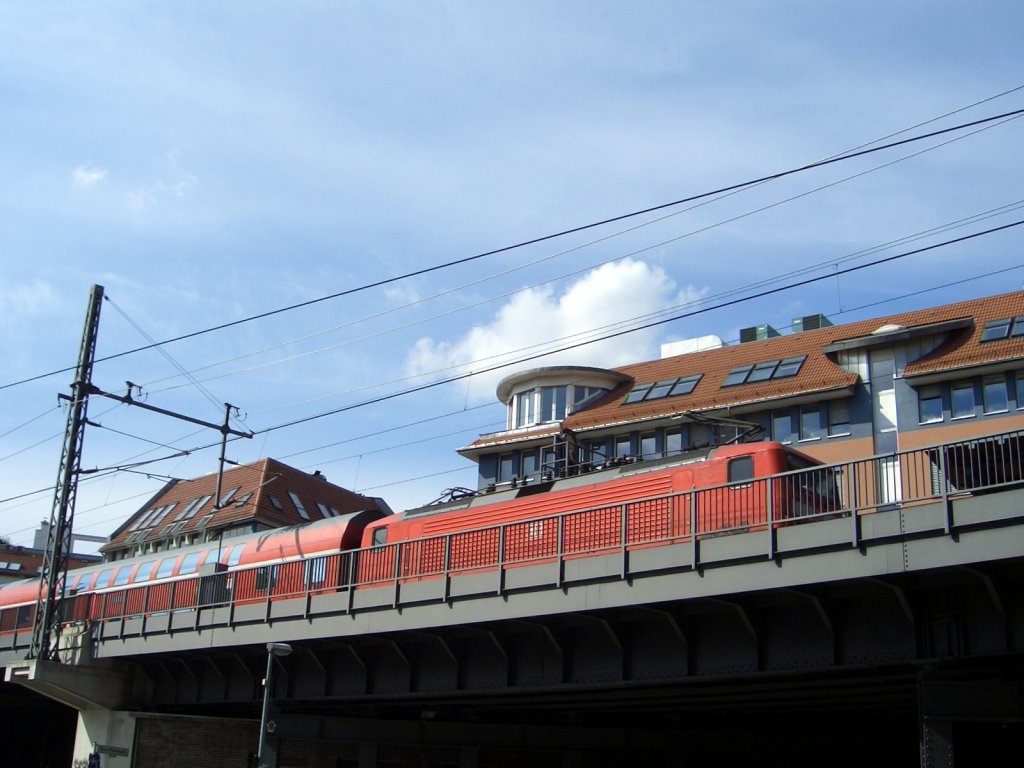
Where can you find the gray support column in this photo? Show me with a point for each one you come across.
(936, 743)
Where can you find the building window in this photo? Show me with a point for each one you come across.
(529, 464)
(685, 385)
(810, 422)
(548, 460)
(525, 408)
(553, 402)
(782, 427)
(506, 467)
(673, 442)
(929, 404)
(662, 389)
(622, 446)
(737, 375)
(1020, 390)
(996, 329)
(789, 367)
(648, 445)
(994, 397)
(763, 371)
(838, 417)
(298, 505)
(962, 399)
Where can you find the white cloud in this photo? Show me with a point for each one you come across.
(86, 176)
(28, 299)
(536, 319)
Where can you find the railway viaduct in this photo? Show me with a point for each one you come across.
(893, 638)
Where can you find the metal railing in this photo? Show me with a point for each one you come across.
(849, 489)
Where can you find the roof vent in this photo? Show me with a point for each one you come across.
(887, 328)
(810, 323)
(757, 333)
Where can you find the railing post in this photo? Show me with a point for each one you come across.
(947, 504)
(560, 554)
(352, 573)
(501, 558)
(623, 538)
(770, 509)
(397, 573)
(695, 548)
(447, 567)
(854, 506)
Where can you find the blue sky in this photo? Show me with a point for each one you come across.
(210, 161)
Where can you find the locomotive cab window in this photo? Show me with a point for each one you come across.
(380, 536)
(741, 469)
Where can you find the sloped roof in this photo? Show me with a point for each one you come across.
(263, 492)
(818, 375)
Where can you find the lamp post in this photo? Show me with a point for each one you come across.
(273, 649)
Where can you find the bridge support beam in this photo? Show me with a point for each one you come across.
(97, 691)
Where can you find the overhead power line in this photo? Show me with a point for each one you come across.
(634, 329)
(544, 238)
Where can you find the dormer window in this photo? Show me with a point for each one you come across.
(544, 405)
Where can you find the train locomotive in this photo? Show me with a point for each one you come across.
(631, 504)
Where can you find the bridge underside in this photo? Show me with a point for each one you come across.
(873, 665)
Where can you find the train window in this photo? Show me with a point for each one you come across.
(71, 586)
(122, 575)
(741, 469)
(380, 536)
(236, 555)
(166, 567)
(266, 578)
(190, 563)
(144, 572)
(316, 571)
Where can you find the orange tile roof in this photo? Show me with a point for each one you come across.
(818, 375)
(265, 480)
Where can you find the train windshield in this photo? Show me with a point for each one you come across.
(819, 491)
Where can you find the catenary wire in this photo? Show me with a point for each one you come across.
(543, 238)
(620, 257)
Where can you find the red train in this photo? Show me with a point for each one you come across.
(640, 504)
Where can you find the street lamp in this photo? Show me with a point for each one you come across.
(273, 649)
